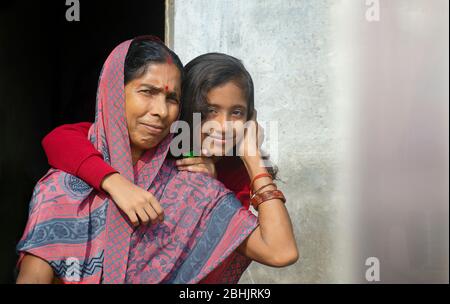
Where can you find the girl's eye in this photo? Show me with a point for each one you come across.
(212, 111)
(237, 113)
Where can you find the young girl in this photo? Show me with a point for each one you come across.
(220, 88)
(201, 232)
(216, 85)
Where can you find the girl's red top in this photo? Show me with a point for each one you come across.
(68, 149)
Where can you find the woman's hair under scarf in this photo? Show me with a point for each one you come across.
(85, 238)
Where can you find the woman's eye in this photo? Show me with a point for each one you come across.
(149, 92)
(237, 113)
(173, 100)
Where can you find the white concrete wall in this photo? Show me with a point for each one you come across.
(310, 61)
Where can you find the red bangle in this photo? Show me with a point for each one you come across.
(260, 198)
(252, 194)
(258, 176)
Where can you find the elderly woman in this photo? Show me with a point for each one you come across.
(78, 234)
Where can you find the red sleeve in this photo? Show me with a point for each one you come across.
(68, 148)
(243, 194)
(233, 174)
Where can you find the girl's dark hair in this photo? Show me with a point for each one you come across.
(208, 71)
(145, 50)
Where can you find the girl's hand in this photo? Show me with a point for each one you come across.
(200, 164)
(252, 140)
(138, 204)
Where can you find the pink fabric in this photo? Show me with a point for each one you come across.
(82, 234)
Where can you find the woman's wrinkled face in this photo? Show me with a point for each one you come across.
(226, 103)
(152, 103)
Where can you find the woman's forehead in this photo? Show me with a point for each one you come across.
(161, 75)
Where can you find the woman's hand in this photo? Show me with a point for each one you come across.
(138, 204)
(201, 164)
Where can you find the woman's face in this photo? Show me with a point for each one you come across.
(152, 105)
(226, 103)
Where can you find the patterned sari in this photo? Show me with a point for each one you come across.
(85, 238)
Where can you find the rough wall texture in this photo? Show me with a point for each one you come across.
(284, 45)
(362, 112)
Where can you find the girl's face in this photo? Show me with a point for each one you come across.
(226, 103)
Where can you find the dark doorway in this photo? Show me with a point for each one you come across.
(49, 69)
